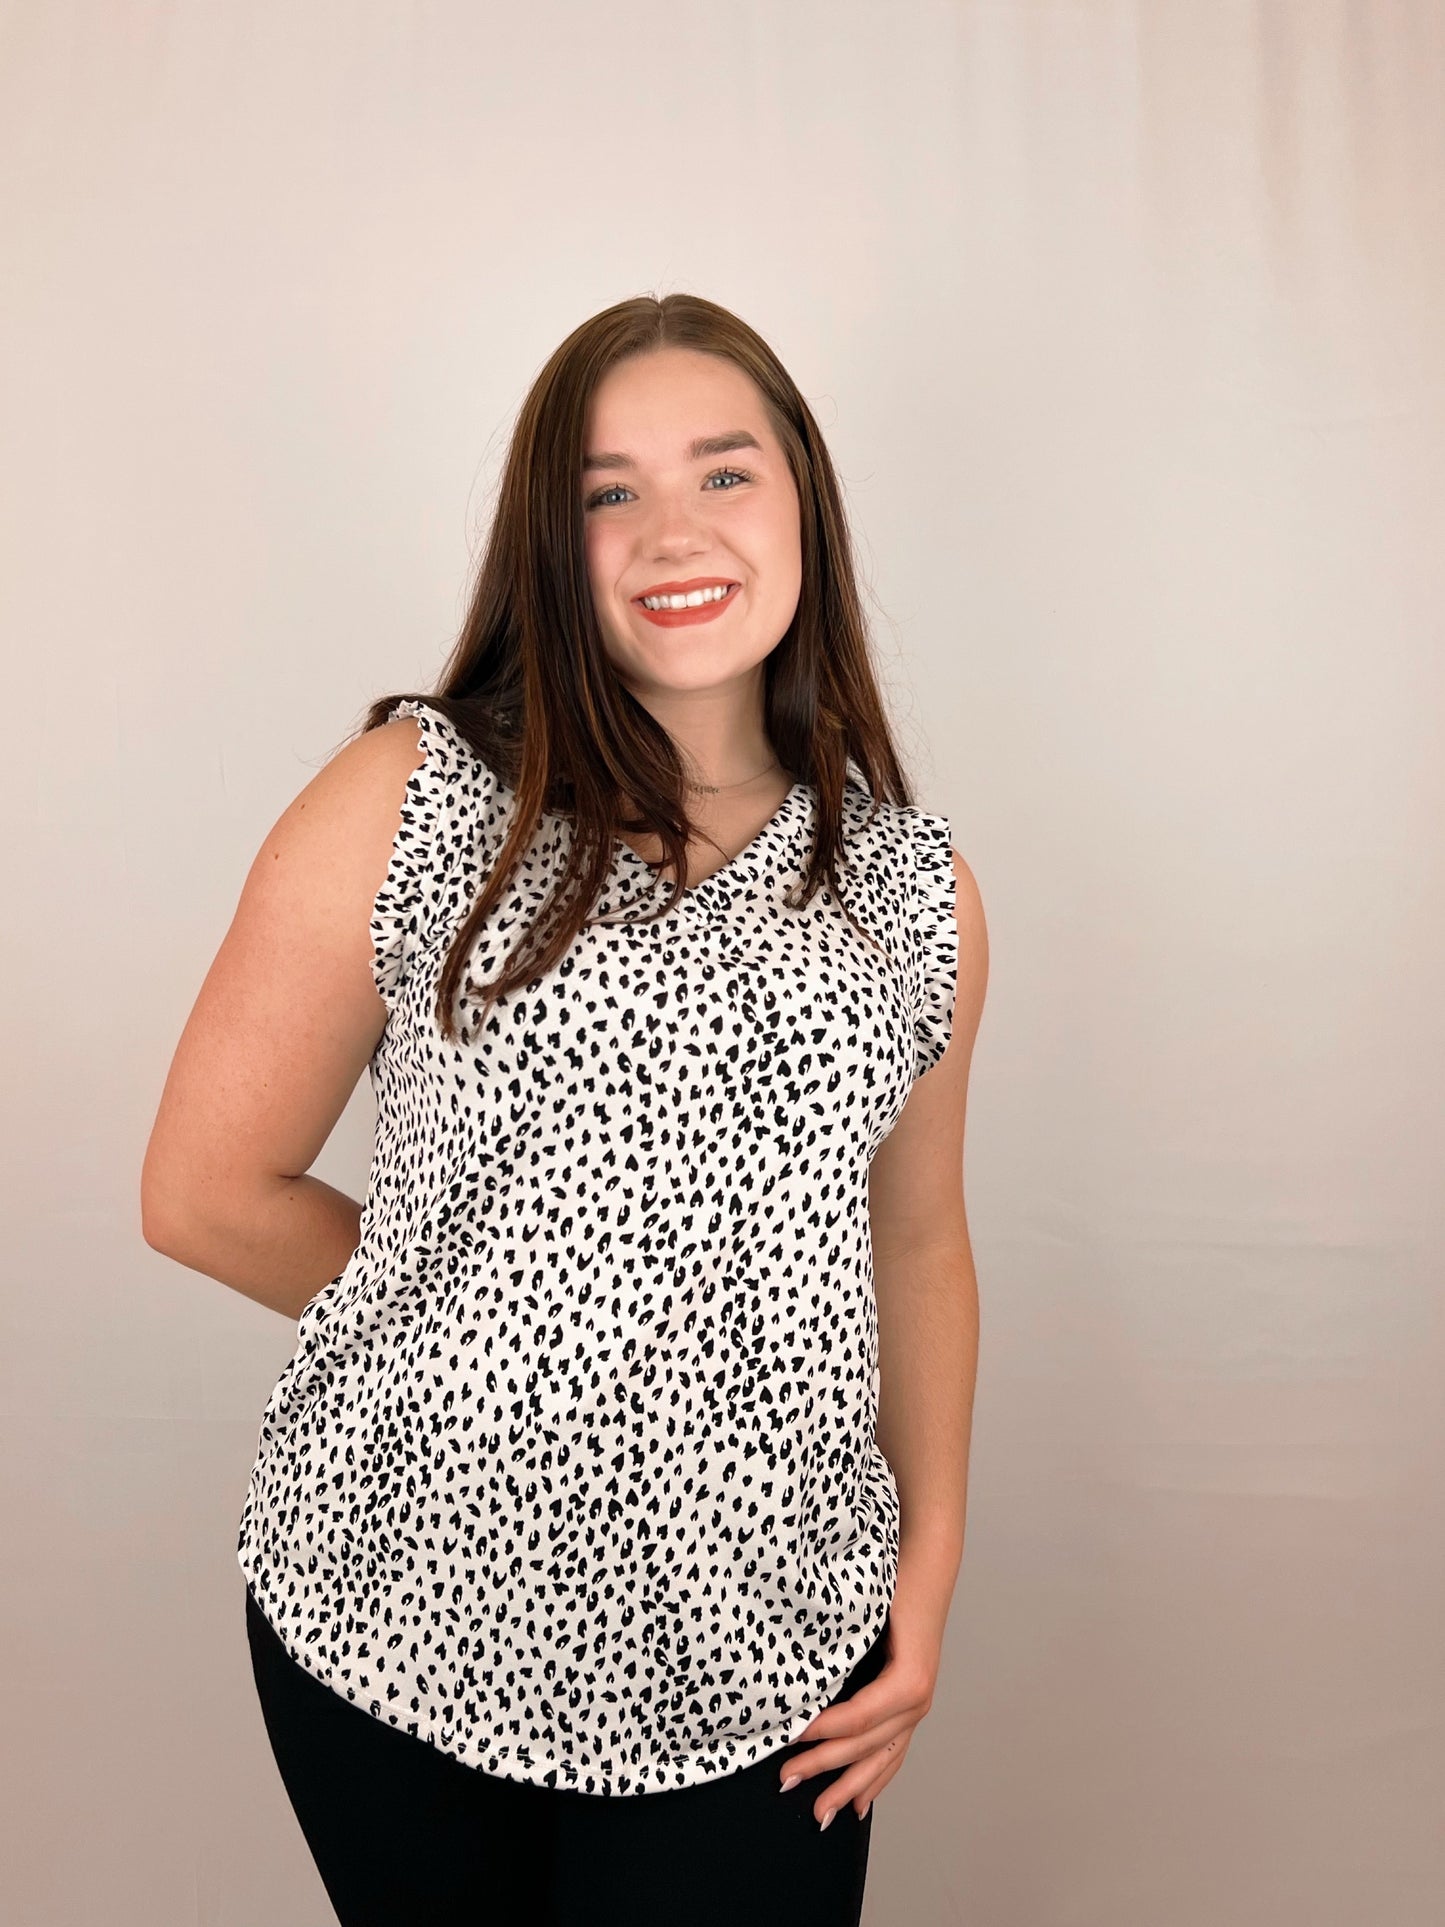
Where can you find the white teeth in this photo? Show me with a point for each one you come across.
(693, 600)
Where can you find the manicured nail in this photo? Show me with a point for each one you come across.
(864, 1814)
(792, 1780)
(826, 1820)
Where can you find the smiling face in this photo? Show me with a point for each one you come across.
(664, 515)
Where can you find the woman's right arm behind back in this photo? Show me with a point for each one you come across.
(285, 1023)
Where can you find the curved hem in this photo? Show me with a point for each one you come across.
(567, 1778)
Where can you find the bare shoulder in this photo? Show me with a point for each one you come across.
(972, 954)
(915, 1187)
(968, 899)
(337, 831)
(290, 1010)
(377, 762)
(309, 894)
(968, 910)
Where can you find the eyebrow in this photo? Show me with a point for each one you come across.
(696, 452)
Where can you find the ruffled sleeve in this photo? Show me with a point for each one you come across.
(445, 800)
(935, 938)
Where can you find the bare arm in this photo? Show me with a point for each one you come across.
(928, 1350)
(283, 1027)
(928, 1297)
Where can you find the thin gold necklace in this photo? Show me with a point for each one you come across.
(716, 789)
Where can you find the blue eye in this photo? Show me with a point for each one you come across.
(613, 488)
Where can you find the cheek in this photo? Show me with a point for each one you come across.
(783, 566)
(596, 557)
(606, 547)
(779, 545)
(603, 569)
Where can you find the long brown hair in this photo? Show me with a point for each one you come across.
(530, 686)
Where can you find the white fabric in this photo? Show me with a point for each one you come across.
(573, 1472)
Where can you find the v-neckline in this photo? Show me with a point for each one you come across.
(743, 867)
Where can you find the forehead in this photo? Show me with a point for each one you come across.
(674, 405)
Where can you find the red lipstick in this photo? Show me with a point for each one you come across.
(684, 618)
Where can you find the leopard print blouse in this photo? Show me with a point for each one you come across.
(572, 1473)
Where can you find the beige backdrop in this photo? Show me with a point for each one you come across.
(1125, 325)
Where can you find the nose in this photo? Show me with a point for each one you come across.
(676, 526)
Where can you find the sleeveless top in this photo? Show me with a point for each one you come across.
(572, 1473)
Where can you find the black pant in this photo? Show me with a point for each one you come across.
(405, 1836)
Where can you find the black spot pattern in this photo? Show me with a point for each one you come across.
(572, 1473)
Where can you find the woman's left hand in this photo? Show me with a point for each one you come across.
(869, 1732)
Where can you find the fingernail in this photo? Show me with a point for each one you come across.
(864, 1814)
(792, 1780)
(826, 1820)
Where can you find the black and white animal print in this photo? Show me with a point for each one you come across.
(572, 1473)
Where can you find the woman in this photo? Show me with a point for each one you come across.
(604, 1522)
